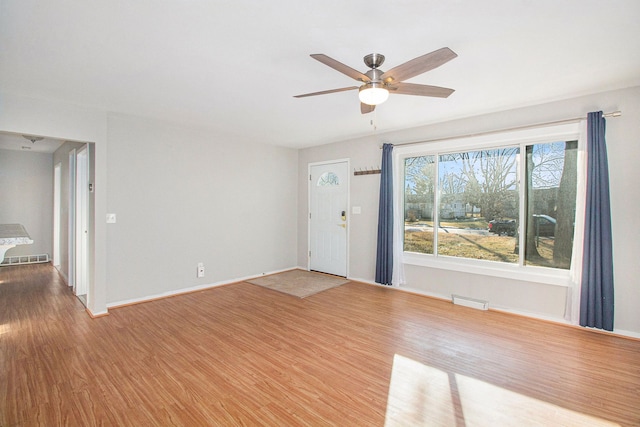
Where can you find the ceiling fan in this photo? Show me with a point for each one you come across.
(378, 84)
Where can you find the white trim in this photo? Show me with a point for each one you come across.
(512, 129)
(572, 304)
(521, 138)
(96, 314)
(71, 226)
(190, 289)
(497, 139)
(115, 305)
(616, 332)
(57, 210)
(398, 277)
(81, 285)
(368, 282)
(558, 320)
(505, 270)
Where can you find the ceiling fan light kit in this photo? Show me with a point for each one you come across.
(378, 84)
(373, 94)
(33, 139)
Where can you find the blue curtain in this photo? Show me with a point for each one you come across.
(384, 257)
(596, 298)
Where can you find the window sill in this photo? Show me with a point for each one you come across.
(543, 275)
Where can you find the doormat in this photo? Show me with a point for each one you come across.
(299, 283)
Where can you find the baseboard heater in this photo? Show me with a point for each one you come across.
(25, 259)
(470, 302)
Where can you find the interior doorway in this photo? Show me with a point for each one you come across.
(328, 217)
(71, 172)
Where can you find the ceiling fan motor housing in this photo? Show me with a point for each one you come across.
(374, 75)
(374, 60)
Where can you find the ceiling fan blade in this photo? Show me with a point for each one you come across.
(420, 90)
(324, 92)
(366, 108)
(418, 65)
(339, 66)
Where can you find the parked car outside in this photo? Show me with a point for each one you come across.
(503, 226)
(545, 225)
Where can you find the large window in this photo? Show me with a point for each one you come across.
(504, 202)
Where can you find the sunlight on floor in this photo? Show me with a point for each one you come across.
(420, 395)
(4, 328)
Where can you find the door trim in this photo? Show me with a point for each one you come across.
(57, 213)
(71, 229)
(308, 178)
(82, 221)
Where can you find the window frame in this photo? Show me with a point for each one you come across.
(509, 138)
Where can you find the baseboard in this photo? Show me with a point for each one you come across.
(368, 282)
(616, 332)
(182, 291)
(96, 315)
(124, 303)
(560, 321)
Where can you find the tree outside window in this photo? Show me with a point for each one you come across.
(477, 195)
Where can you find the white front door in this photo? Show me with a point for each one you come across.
(328, 195)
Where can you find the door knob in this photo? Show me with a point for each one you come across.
(344, 215)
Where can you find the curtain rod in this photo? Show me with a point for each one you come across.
(557, 122)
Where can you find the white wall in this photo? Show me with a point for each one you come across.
(183, 196)
(524, 297)
(26, 197)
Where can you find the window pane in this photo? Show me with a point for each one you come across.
(478, 205)
(551, 203)
(419, 177)
(328, 178)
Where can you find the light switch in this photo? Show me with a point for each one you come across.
(356, 210)
(111, 218)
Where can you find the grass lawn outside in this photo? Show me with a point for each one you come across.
(489, 247)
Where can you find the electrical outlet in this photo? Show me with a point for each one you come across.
(200, 269)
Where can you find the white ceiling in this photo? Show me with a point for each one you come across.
(21, 142)
(233, 66)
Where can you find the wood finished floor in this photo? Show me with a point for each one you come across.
(356, 355)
